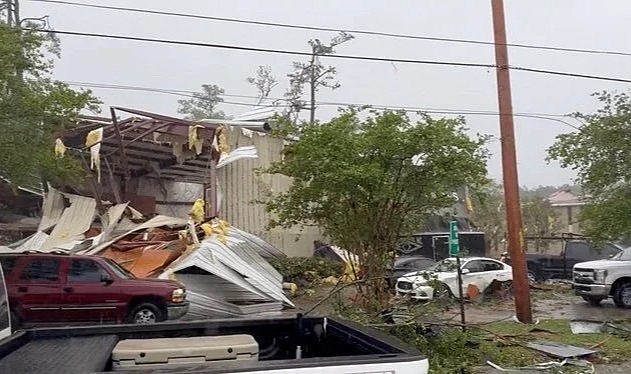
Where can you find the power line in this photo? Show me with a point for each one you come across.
(185, 93)
(330, 29)
(345, 57)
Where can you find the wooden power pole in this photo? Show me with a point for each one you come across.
(509, 167)
(12, 8)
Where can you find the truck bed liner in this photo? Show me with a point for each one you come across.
(85, 354)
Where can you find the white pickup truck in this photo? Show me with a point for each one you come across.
(301, 345)
(596, 281)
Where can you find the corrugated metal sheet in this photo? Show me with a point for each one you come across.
(210, 284)
(130, 228)
(241, 187)
(203, 258)
(74, 222)
(33, 242)
(233, 273)
(237, 154)
(252, 258)
(263, 248)
(224, 253)
(52, 209)
(260, 113)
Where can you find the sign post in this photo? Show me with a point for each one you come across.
(454, 245)
(454, 251)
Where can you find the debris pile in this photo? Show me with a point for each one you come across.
(224, 269)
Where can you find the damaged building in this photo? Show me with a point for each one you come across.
(174, 198)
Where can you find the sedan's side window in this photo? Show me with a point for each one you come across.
(423, 263)
(474, 266)
(492, 266)
(409, 264)
(85, 271)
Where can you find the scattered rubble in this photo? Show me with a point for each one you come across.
(224, 269)
(559, 350)
(586, 366)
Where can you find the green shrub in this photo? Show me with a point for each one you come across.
(301, 270)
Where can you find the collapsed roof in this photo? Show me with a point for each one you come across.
(226, 272)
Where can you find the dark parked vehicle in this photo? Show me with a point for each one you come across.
(544, 266)
(60, 288)
(435, 245)
(407, 264)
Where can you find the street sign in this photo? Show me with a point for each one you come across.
(454, 246)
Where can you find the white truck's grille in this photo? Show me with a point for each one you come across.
(585, 276)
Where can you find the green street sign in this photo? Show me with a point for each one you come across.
(454, 246)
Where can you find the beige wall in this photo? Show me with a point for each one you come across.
(241, 187)
(568, 217)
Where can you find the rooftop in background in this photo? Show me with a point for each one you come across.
(565, 197)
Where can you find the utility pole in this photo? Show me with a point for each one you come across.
(12, 7)
(509, 167)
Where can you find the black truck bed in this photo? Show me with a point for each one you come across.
(84, 354)
(88, 349)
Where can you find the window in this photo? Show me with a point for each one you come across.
(42, 270)
(579, 250)
(118, 270)
(422, 263)
(474, 266)
(8, 263)
(608, 251)
(86, 271)
(413, 263)
(491, 266)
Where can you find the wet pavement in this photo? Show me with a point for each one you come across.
(549, 305)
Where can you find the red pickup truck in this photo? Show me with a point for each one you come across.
(61, 288)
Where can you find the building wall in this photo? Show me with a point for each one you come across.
(172, 198)
(568, 218)
(240, 188)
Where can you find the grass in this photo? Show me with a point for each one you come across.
(450, 350)
(612, 348)
(511, 351)
(503, 343)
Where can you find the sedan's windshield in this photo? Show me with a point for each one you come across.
(447, 265)
(625, 255)
(119, 270)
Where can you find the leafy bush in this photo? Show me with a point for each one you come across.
(301, 270)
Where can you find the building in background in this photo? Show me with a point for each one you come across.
(567, 205)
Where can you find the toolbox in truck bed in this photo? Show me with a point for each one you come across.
(162, 352)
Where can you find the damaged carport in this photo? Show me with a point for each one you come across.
(152, 146)
(224, 269)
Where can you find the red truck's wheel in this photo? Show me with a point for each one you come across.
(145, 313)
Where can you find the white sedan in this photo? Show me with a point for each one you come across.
(441, 279)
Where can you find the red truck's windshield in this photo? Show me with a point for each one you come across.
(118, 270)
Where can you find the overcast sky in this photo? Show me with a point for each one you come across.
(601, 25)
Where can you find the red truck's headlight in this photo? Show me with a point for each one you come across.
(178, 295)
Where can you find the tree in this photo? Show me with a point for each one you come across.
(489, 215)
(314, 75)
(203, 105)
(356, 179)
(33, 107)
(540, 221)
(264, 82)
(600, 153)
